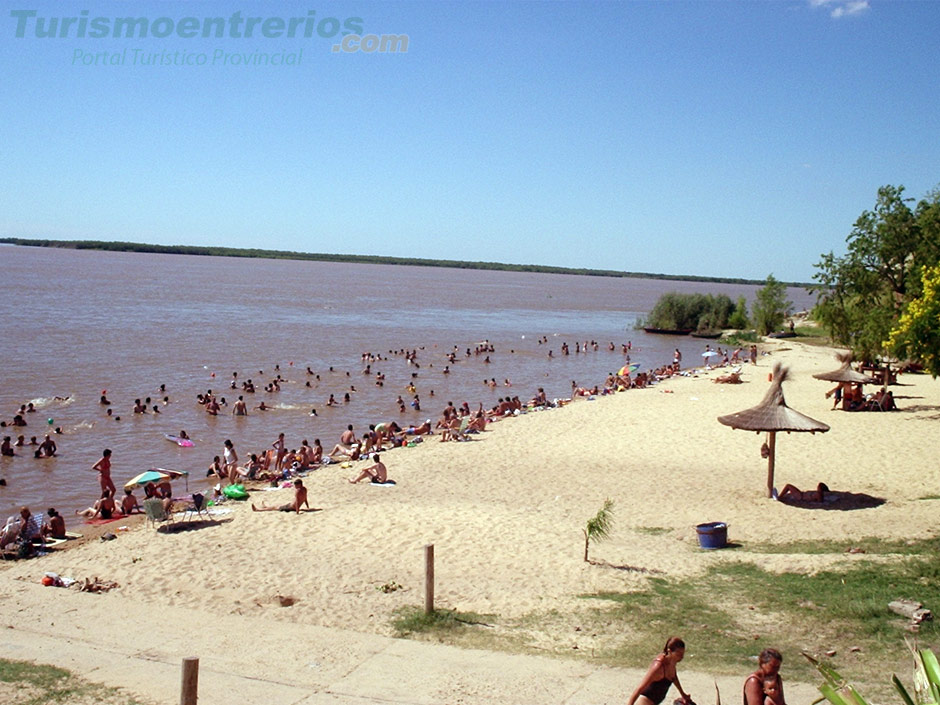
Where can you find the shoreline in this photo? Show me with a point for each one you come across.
(506, 510)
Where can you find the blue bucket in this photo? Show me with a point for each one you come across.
(712, 535)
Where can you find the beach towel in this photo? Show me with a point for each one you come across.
(98, 521)
(387, 483)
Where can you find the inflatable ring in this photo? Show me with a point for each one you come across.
(235, 492)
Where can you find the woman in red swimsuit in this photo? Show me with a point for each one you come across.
(661, 674)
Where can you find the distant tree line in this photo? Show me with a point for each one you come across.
(361, 259)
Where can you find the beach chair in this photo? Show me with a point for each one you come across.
(461, 433)
(155, 512)
(196, 507)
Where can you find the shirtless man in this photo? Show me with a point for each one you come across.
(6, 448)
(47, 449)
(239, 408)
(348, 439)
(103, 468)
(300, 500)
(56, 527)
(129, 503)
(377, 472)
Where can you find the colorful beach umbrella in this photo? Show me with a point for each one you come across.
(145, 477)
(628, 369)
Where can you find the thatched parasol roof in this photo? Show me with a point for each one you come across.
(773, 414)
(845, 373)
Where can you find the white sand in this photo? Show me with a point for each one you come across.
(505, 511)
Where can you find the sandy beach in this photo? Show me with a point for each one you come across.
(505, 511)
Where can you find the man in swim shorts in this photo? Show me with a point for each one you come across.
(377, 472)
(300, 499)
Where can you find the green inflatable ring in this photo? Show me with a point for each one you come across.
(235, 492)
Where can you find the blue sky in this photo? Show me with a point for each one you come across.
(715, 138)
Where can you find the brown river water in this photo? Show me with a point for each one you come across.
(79, 323)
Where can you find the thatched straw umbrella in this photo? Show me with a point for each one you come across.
(773, 415)
(845, 373)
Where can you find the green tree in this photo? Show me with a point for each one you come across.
(771, 306)
(917, 333)
(862, 294)
(739, 319)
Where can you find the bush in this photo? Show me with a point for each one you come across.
(675, 311)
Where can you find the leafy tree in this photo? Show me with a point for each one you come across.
(739, 319)
(771, 306)
(677, 311)
(862, 294)
(917, 333)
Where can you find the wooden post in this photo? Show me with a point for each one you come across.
(189, 690)
(429, 578)
(772, 444)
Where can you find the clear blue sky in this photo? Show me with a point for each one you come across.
(715, 138)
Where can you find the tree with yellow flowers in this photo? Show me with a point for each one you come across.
(917, 333)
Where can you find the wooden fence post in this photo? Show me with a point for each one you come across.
(189, 689)
(429, 578)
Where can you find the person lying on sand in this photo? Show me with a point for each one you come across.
(300, 500)
(377, 472)
(792, 492)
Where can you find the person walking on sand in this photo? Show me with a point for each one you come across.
(661, 675)
(103, 468)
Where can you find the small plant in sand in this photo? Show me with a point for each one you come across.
(598, 526)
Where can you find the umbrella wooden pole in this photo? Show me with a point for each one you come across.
(772, 444)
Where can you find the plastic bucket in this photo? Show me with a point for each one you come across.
(712, 535)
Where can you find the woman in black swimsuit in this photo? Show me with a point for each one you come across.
(768, 670)
(661, 674)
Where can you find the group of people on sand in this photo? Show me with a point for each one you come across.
(25, 528)
(762, 687)
(852, 398)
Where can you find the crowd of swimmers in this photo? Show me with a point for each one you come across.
(278, 463)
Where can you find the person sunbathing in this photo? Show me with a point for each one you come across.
(129, 503)
(792, 492)
(377, 472)
(103, 507)
(300, 500)
(55, 528)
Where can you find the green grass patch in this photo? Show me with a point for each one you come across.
(414, 620)
(651, 530)
(35, 684)
(740, 338)
(732, 611)
(867, 544)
